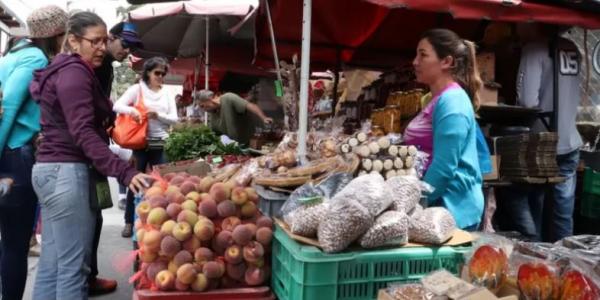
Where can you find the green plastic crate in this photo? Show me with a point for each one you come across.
(591, 182)
(302, 272)
(590, 206)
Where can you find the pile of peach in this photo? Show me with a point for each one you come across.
(199, 234)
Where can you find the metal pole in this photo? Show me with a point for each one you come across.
(304, 76)
(273, 45)
(206, 64)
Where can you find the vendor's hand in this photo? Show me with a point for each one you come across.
(140, 182)
(5, 185)
(268, 120)
(152, 115)
(135, 114)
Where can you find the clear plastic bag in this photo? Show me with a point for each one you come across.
(342, 224)
(390, 229)
(405, 192)
(434, 225)
(411, 291)
(370, 191)
(305, 220)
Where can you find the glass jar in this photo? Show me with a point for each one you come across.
(392, 119)
(377, 117)
(377, 131)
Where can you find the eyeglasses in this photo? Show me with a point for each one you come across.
(97, 42)
(159, 73)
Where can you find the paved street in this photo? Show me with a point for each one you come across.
(112, 246)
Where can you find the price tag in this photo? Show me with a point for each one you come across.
(278, 88)
(217, 160)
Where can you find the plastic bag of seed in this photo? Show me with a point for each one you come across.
(389, 229)
(342, 224)
(434, 225)
(405, 192)
(305, 220)
(370, 191)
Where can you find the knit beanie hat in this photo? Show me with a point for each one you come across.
(47, 21)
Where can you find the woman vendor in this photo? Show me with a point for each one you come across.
(446, 127)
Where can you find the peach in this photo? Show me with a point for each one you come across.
(165, 280)
(249, 209)
(170, 246)
(157, 217)
(200, 283)
(194, 196)
(189, 205)
(147, 256)
(177, 180)
(229, 283)
(175, 197)
(204, 230)
(254, 276)
(182, 231)
(206, 183)
(182, 287)
(158, 201)
(253, 228)
(230, 223)
(187, 187)
(236, 271)
(185, 175)
(154, 268)
(226, 208)
(192, 244)
(186, 273)
(153, 191)
(212, 270)
(233, 254)
(218, 192)
(239, 195)
(167, 227)
(172, 189)
(224, 239)
(138, 224)
(182, 257)
(172, 267)
(264, 235)
(187, 216)
(152, 239)
(242, 235)
(208, 208)
(206, 196)
(264, 221)
(195, 179)
(173, 209)
(252, 194)
(143, 209)
(253, 252)
(203, 255)
(139, 234)
(229, 185)
(169, 176)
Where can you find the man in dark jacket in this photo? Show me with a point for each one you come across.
(122, 40)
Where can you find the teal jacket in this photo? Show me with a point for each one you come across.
(20, 121)
(454, 171)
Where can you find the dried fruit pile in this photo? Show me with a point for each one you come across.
(199, 234)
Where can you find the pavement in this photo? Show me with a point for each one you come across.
(112, 247)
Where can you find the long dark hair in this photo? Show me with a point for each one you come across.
(151, 64)
(49, 45)
(465, 71)
(79, 23)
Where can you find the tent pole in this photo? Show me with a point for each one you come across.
(273, 45)
(206, 64)
(304, 76)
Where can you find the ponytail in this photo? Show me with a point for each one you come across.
(472, 81)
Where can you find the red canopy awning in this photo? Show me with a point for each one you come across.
(500, 10)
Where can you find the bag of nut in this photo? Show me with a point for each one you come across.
(389, 229)
(344, 222)
(306, 219)
(434, 225)
(405, 192)
(370, 191)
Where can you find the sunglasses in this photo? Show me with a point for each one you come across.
(159, 73)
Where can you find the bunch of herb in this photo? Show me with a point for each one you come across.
(196, 141)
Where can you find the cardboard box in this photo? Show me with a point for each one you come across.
(486, 62)
(488, 95)
(494, 175)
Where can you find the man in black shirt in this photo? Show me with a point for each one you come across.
(122, 40)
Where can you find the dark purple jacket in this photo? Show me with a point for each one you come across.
(75, 115)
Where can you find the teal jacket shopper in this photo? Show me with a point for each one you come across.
(455, 173)
(20, 121)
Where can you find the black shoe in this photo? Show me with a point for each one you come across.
(122, 204)
(127, 231)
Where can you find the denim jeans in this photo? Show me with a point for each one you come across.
(67, 230)
(521, 209)
(143, 158)
(17, 219)
(564, 196)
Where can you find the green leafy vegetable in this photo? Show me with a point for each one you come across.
(195, 141)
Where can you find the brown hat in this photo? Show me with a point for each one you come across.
(47, 21)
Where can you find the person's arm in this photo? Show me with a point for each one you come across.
(449, 136)
(257, 111)
(16, 91)
(529, 77)
(170, 117)
(241, 105)
(76, 83)
(124, 104)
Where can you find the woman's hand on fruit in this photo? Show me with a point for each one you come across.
(140, 182)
